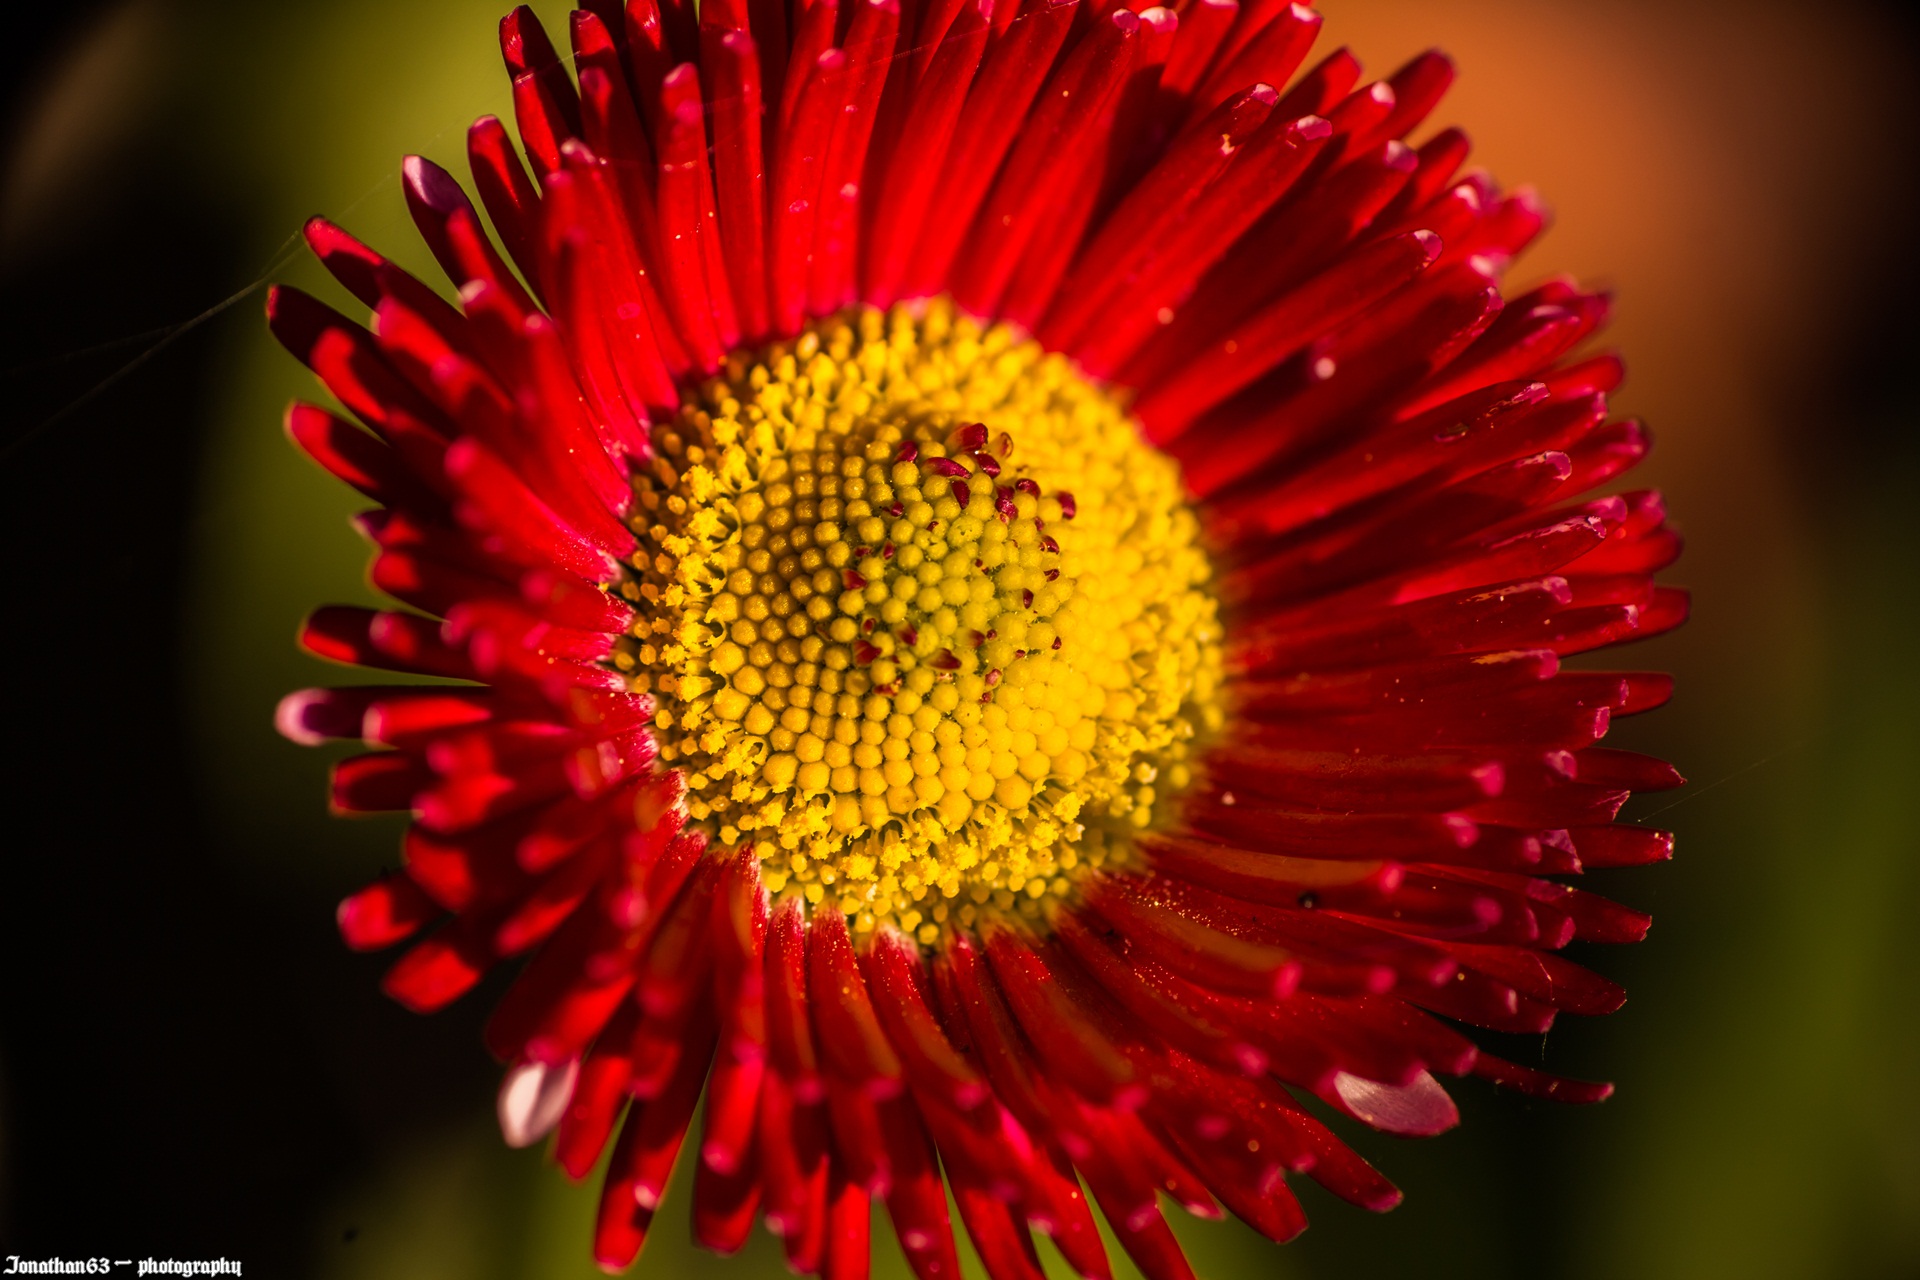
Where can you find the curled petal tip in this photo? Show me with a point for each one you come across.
(1418, 1109)
(291, 717)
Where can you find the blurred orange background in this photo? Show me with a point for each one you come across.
(190, 1065)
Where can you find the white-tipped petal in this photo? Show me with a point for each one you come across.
(1417, 1110)
(532, 1098)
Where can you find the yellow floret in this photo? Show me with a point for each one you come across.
(900, 667)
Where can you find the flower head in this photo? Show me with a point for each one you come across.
(1005, 568)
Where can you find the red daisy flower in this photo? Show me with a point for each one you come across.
(1008, 565)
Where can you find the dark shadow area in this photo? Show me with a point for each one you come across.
(171, 1069)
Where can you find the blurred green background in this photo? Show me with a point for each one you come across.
(189, 1064)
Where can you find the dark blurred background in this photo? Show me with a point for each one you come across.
(190, 1065)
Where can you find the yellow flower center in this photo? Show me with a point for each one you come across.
(925, 620)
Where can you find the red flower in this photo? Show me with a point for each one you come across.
(971, 755)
